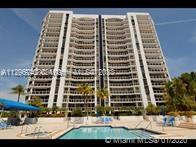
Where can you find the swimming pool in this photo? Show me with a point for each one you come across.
(103, 132)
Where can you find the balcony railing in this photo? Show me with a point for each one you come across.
(81, 101)
(41, 85)
(126, 100)
(124, 92)
(40, 92)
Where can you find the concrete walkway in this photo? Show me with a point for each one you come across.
(57, 126)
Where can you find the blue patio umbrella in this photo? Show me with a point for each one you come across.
(12, 105)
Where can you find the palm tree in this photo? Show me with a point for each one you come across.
(102, 94)
(19, 89)
(35, 101)
(85, 90)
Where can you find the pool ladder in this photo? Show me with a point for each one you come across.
(37, 130)
(149, 124)
(25, 129)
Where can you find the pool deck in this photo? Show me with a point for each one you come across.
(58, 126)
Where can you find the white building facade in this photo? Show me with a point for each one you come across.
(124, 47)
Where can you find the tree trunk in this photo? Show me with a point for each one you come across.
(18, 97)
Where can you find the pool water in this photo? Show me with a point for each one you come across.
(103, 132)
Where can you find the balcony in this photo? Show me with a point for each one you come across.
(45, 64)
(43, 85)
(156, 65)
(42, 79)
(71, 85)
(123, 85)
(83, 108)
(81, 60)
(79, 52)
(119, 67)
(82, 49)
(83, 55)
(161, 92)
(83, 34)
(82, 24)
(79, 27)
(156, 71)
(75, 93)
(48, 53)
(125, 100)
(81, 37)
(81, 101)
(114, 23)
(40, 93)
(46, 58)
(84, 30)
(84, 21)
(87, 79)
(113, 61)
(123, 93)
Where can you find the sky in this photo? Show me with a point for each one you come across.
(19, 34)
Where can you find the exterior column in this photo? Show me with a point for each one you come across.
(58, 55)
(139, 73)
(64, 64)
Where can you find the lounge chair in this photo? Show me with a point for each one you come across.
(168, 121)
(164, 121)
(171, 120)
(110, 119)
(106, 119)
(4, 125)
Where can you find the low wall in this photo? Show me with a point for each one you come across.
(90, 118)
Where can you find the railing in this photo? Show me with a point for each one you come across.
(40, 92)
(149, 124)
(126, 100)
(139, 123)
(25, 128)
(37, 132)
(144, 119)
(49, 84)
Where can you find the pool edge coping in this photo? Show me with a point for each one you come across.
(156, 133)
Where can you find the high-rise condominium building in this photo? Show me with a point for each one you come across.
(124, 47)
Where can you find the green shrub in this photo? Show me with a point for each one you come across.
(173, 113)
(9, 114)
(76, 112)
(152, 109)
(189, 114)
(108, 109)
(139, 111)
(100, 110)
(123, 113)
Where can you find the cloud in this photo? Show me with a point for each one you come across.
(174, 22)
(180, 65)
(30, 17)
